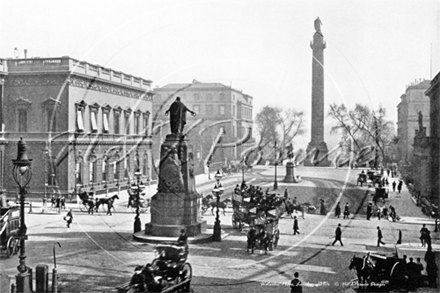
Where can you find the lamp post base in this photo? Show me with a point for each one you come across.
(137, 225)
(22, 282)
(217, 236)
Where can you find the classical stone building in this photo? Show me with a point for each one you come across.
(218, 108)
(426, 160)
(87, 127)
(411, 103)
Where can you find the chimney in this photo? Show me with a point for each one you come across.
(15, 53)
(25, 53)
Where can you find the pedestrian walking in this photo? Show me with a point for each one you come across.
(369, 211)
(251, 240)
(323, 209)
(63, 203)
(53, 201)
(338, 235)
(423, 235)
(338, 210)
(91, 205)
(346, 211)
(295, 226)
(379, 213)
(295, 284)
(286, 194)
(394, 186)
(385, 212)
(379, 237)
(109, 206)
(68, 218)
(399, 186)
(58, 206)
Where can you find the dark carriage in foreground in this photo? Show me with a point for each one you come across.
(381, 273)
(9, 227)
(168, 272)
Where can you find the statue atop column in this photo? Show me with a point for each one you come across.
(177, 113)
(318, 24)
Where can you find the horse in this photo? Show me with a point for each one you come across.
(222, 204)
(105, 201)
(364, 270)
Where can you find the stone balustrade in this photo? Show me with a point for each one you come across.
(72, 65)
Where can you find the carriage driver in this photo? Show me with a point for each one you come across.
(183, 241)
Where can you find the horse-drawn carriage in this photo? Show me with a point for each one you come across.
(87, 201)
(244, 212)
(168, 272)
(381, 192)
(380, 272)
(9, 227)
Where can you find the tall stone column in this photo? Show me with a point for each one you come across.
(317, 150)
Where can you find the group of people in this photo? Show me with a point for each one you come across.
(346, 210)
(58, 202)
(382, 212)
(338, 236)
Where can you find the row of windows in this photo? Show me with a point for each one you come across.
(49, 119)
(112, 121)
(109, 168)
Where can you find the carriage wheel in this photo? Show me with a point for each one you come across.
(277, 236)
(234, 222)
(11, 246)
(185, 275)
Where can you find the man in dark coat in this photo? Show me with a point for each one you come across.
(295, 284)
(295, 226)
(394, 186)
(177, 112)
(338, 210)
(338, 235)
(369, 211)
(399, 186)
(346, 211)
(379, 237)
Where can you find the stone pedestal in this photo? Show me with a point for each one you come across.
(290, 173)
(22, 282)
(317, 155)
(176, 204)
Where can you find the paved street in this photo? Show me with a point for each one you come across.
(97, 253)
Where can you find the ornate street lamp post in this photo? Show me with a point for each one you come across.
(22, 174)
(275, 183)
(137, 188)
(218, 189)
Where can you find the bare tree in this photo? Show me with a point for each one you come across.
(278, 127)
(364, 127)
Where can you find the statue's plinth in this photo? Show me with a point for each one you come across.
(176, 205)
(290, 173)
(317, 155)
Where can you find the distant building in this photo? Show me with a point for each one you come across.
(86, 126)
(426, 161)
(218, 107)
(411, 102)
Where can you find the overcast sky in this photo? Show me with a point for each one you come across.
(374, 48)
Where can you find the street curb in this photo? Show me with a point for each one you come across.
(205, 237)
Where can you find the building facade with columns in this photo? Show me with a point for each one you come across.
(411, 103)
(87, 127)
(222, 129)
